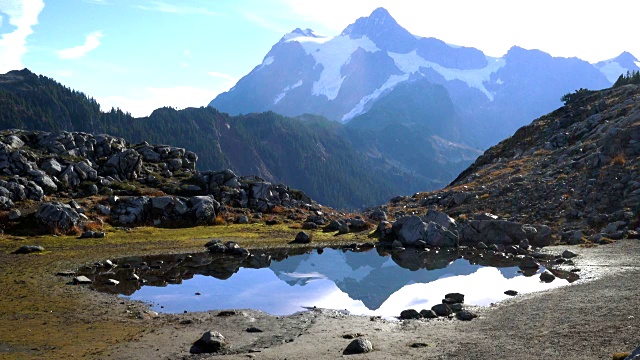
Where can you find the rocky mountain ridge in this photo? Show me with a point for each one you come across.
(575, 171)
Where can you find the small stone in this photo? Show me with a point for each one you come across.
(271, 222)
(28, 249)
(81, 280)
(227, 313)
(253, 330)
(524, 244)
(547, 277)
(511, 292)
(568, 254)
(358, 346)
(410, 314)
(466, 315)
(419, 345)
(198, 294)
(112, 282)
(210, 342)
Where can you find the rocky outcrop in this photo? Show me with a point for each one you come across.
(45, 163)
(57, 216)
(574, 175)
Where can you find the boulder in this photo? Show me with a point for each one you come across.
(441, 309)
(511, 292)
(126, 165)
(501, 232)
(457, 297)
(568, 254)
(358, 346)
(58, 216)
(528, 262)
(466, 315)
(410, 314)
(441, 219)
(204, 207)
(302, 238)
(409, 229)
(210, 342)
(439, 236)
(6, 203)
(14, 215)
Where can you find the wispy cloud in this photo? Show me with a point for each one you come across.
(91, 42)
(222, 76)
(23, 15)
(166, 7)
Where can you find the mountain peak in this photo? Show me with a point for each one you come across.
(383, 30)
(627, 60)
(297, 32)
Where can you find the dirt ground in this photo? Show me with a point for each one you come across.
(591, 319)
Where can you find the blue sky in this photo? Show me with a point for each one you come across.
(143, 54)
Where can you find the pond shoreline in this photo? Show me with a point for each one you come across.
(43, 316)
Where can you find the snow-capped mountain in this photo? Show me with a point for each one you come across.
(342, 77)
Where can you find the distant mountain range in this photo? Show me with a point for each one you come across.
(356, 74)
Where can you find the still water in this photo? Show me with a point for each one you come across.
(372, 282)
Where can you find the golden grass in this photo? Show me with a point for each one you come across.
(619, 159)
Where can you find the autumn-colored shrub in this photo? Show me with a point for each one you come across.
(619, 159)
(219, 220)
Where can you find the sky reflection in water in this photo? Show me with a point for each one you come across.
(363, 283)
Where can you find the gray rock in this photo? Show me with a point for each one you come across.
(441, 219)
(511, 292)
(635, 355)
(14, 214)
(302, 238)
(204, 207)
(58, 216)
(358, 346)
(410, 314)
(457, 297)
(396, 245)
(428, 314)
(547, 277)
(6, 203)
(503, 232)
(441, 309)
(528, 262)
(126, 165)
(243, 219)
(210, 342)
(28, 249)
(568, 254)
(466, 315)
(437, 235)
(80, 280)
(410, 229)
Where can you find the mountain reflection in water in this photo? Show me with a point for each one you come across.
(281, 282)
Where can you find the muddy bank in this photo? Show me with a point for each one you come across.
(592, 319)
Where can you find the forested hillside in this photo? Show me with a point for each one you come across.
(310, 153)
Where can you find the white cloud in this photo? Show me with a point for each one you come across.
(23, 15)
(91, 42)
(143, 102)
(222, 76)
(165, 7)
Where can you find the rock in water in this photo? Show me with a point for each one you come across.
(358, 346)
(511, 292)
(547, 277)
(568, 254)
(80, 280)
(210, 342)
